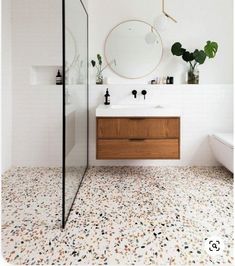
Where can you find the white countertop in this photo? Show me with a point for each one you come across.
(127, 110)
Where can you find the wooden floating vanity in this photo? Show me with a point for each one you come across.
(137, 138)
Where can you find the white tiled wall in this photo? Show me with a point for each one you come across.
(6, 90)
(37, 110)
(205, 109)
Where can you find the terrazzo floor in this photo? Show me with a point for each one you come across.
(122, 215)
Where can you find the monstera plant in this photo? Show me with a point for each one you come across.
(198, 57)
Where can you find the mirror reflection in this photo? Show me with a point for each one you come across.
(136, 48)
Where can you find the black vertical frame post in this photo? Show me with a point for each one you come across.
(64, 219)
(63, 114)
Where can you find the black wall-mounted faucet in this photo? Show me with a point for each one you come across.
(144, 92)
(134, 92)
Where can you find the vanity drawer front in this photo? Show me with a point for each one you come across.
(138, 149)
(125, 128)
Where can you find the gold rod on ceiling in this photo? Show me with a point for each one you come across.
(166, 14)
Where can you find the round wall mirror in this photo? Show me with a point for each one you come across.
(133, 49)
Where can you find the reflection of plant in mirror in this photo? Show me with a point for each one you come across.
(99, 75)
(78, 65)
(195, 58)
(74, 71)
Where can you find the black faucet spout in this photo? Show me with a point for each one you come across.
(144, 92)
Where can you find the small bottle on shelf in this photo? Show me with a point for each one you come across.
(58, 78)
(107, 98)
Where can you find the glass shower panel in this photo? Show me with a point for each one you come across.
(75, 101)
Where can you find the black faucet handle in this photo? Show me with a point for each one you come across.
(144, 92)
(134, 92)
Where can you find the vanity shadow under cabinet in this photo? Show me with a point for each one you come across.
(138, 138)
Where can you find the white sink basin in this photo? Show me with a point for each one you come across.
(136, 110)
(135, 106)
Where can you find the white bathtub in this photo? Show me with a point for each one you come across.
(222, 147)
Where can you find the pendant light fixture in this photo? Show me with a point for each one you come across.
(162, 20)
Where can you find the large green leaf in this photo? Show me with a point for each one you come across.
(211, 49)
(177, 49)
(187, 56)
(200, 56)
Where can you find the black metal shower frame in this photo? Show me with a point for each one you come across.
(64, 219)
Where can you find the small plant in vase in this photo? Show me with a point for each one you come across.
(100, 69)
(195, 58)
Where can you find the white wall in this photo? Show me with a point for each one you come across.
(6, 134)
(198, 21)
(37, 109)
(204, 109)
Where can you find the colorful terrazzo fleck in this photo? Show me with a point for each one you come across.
(122, 215)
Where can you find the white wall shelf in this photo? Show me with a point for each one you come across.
(126, 85)
(44, 74)
(46, 85)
